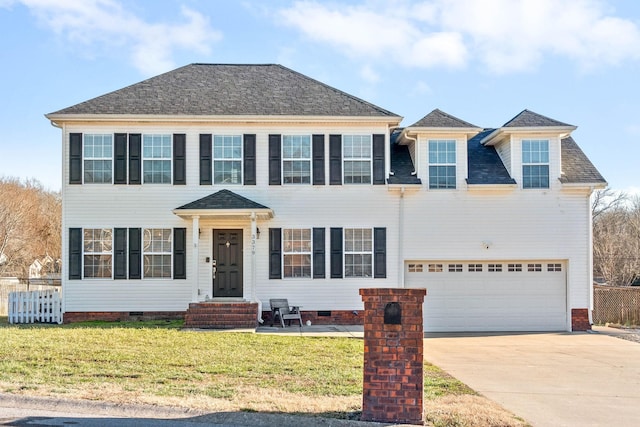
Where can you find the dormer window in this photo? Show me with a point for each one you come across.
(442, 163)
(535, 163)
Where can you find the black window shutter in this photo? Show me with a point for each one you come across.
(120, 253)
(135, 253)
(318, 160)
(274, 160)
(378, 159)
(275, 253)
(135, 158)
(75, 158)
(249, 160)
(336, 253)
(205, 159)
(120, 158)
(318, 253)
(179, 159)
(75, 253)
(179, 253)
(335, 159)
(380, 253)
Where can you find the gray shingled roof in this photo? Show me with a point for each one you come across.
(576, 166)
(401, 163)
(484, 163)
(439, 119)
(528, 118)
(223, 199)
(223, 89)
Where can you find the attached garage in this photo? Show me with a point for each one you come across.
(491, 295)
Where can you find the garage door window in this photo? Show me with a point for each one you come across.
(435, 268)
(455, 268)
(554, 267)
(415, 268)
(534, 267)
(515, 267)
(475, 267)
(494, 268)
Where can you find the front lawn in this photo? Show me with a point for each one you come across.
(159, 363)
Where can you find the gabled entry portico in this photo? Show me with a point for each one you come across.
(225, 216)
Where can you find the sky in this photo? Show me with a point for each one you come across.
(484, 61)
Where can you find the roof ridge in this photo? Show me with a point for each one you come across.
(526, 111)
(382, 110)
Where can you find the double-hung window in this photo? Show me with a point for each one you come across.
(535, 163)
(157, 249)
(297, 252)
(156, 156)
(357, 159)
(227, 159)
(358, 252)
(442, 164)
(296, 159)
(98, 252)
(98, 158)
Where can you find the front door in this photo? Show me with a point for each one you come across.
(227, 263)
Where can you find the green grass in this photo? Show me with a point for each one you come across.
(161, 359)
(159, 362)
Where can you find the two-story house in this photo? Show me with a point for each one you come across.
(214, 187)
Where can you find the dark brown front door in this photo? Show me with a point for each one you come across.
(227, 263)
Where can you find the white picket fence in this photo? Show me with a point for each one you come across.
(35, 306)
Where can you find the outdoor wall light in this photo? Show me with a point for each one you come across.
(257, 233)
(486, 244)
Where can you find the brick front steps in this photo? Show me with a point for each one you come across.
(221, 315)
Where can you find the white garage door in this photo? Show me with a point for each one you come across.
(491, 296)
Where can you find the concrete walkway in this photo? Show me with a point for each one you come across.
(549, 379)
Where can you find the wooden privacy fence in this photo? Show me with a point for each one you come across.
(35, 306)
(616, 304)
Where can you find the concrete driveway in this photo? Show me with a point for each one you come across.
(549, 379)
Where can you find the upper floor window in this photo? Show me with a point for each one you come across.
(358, 252)
(98, 252)
(156, 155)
(357, 159)
(442, 164)
(535, 163)
(157, 252)
(98, 158)
(296, 243)
(296, 159)
(227, 159)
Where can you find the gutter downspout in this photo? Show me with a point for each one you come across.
(590, 255)
(401, 240)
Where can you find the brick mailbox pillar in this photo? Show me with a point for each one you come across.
(393, 355)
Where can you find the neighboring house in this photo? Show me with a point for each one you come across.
(45, 268)
(230, 183)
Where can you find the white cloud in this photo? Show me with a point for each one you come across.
(503, 35)
(107, 24)
(369, 74)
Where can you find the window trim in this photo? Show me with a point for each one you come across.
(454, 165)
(144, 159)
(309, 253)
(345, 252)
(239, 160)
(344, 159)
(284, 159)
(85, 253)
(540, 163)
(111, 159)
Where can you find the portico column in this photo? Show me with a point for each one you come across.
(196, 257)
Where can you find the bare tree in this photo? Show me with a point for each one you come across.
(616, 237)
(30, 220)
